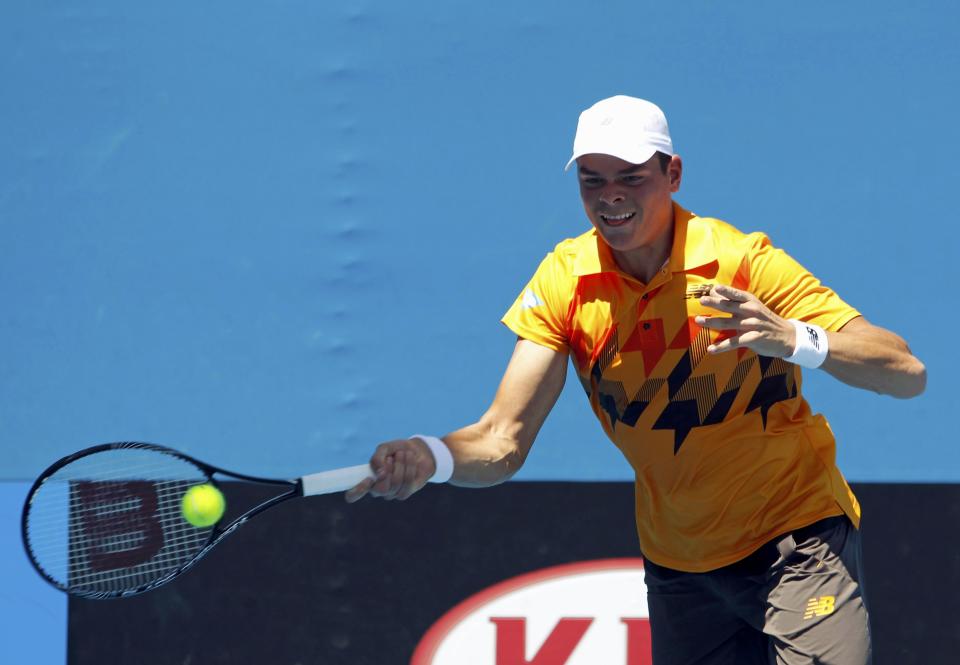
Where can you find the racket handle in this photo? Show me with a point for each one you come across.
(335, 480)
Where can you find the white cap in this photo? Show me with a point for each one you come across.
(625, 127)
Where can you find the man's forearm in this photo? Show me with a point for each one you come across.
(483, 456)
(876, 360)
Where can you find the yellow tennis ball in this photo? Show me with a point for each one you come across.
(203, 505)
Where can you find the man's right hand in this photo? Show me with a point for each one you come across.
(491, 450)
(401, 467)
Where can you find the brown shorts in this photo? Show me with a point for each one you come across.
(798, 599)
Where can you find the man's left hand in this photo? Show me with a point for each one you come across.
(752, 323)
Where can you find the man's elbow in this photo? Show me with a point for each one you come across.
(512, 458)
(914, 380)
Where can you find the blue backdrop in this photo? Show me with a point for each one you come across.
(273, 234)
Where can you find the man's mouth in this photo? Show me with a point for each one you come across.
(616, 220)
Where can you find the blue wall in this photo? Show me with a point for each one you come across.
(274, 235)
(33, 625)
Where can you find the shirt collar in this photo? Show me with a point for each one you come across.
(693, 248)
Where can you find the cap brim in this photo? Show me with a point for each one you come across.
(634, 157)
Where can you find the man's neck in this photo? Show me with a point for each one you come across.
(644, 263)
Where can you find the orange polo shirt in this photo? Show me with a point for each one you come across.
(726, 452)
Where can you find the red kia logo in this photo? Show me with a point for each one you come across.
(577, 614)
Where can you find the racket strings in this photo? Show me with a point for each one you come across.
(111, 521)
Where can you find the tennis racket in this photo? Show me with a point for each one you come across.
(106, 522)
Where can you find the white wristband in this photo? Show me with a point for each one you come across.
(811, 348)
(441, 456)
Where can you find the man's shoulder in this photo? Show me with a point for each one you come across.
(570, 248)
(719, 227)
(570, 253)
(723, 234)
(561, 268)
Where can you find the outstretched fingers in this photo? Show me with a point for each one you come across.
(750, 323)
(731, 293)
(730, 343)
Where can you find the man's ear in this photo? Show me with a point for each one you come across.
(675, 172)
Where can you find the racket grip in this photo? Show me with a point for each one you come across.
(335, 480)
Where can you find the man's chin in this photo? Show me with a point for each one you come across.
(621, 242)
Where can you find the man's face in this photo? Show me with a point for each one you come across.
(629, 204)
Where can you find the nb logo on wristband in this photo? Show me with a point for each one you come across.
(814, 337)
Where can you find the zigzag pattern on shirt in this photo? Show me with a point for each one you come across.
(777, 384)
(693, 401)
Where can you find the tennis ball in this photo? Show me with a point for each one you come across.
(203, 505)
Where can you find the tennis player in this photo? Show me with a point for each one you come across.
(688, 337)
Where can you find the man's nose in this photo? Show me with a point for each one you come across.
(611, 195)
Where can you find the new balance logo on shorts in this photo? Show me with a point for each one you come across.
(819, 607)
(814, 337)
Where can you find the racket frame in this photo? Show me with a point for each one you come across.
(216, 535)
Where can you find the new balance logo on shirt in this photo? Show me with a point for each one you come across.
(698, 291)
